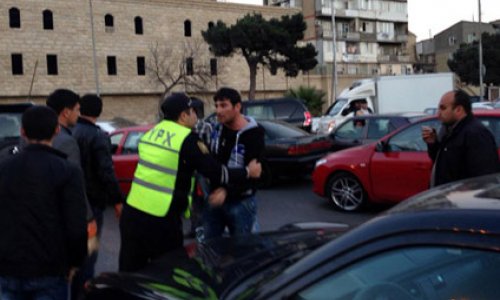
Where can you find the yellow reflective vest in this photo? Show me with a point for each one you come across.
(154, 179)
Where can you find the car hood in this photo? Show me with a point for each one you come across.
(214, 267)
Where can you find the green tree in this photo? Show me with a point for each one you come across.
(465, 61)
(271, 43)
(313, 98)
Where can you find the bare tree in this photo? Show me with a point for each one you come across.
(187, 66)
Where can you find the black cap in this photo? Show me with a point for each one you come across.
(90, 105)
(174, 104)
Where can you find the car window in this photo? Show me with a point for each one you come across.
(10, 124)
(132, 142)
(264, 112)
(410, 139)
(115, 141)
(377, 128)
(285, 110)
(493, 124)
(351, 130)
(414, 273)
(335, 109)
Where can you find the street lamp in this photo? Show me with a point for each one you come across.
(334, 49)
(481, 67)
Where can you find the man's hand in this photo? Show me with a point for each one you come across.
(429, 134)
(217, 197)
(254, 169)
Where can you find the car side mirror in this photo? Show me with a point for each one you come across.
(382, 146)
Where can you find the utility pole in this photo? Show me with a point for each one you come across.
(96, 75)
(481, 68)
(334, 49)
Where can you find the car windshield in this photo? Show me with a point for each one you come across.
(337, 106)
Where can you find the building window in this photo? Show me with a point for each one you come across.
(52, 64)
(17, 64)
(109, 23)
(48, 22)
(213, 66)
(141, 65)
(187, 28)
(189, 66)
(451, 40)
(138, 25)
(14, 18)
(111, 61)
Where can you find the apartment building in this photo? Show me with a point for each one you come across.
(107, 44)
(448, 41)
(371, 35)
(426, 56)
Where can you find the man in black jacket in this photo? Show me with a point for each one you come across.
(101, 184)
(43, 231)
(464, 147)
(236, 141)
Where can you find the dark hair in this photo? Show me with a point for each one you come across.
(199, 107)
(227, 93)
(61, 99)
(39, 122)
(174, 104)
(462, 99)
(90, 105)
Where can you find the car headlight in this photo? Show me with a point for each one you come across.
(321, 161)
(331, 126)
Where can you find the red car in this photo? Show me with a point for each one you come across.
(387, 171)
(124, 142)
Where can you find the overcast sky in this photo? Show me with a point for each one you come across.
(437, 15)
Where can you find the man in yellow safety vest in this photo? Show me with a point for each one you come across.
(169, 154)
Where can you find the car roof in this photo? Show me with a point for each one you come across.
(134, 128)
(271, 100)
(15, 107)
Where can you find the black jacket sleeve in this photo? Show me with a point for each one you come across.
(75, 223)
(105, 170)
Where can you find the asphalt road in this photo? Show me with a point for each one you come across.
(287, 202)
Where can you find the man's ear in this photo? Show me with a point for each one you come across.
(238, 107)
(58, 129)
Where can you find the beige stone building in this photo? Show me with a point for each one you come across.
(45, 45)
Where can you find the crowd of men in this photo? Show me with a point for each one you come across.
(54, 190)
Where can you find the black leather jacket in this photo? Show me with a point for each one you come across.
(95, 153)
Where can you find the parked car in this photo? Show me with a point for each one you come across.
(387, 171)
(289, 110)
(431, 110)
(289, 151)
(441, 244)
(10, 126)
(368, 128)
(482, 105)
(116, 123)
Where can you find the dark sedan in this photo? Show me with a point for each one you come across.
(290, 151)
(369, 128)
(441, 244)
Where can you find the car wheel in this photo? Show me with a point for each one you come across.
(346, 192)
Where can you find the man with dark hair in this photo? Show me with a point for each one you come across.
(464, 147)
(169, 154)
(236, 140)
(43, 235)
(101, 184)
(66, 104)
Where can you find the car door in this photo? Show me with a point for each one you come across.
(402, 168)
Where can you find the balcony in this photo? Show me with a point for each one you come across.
(403, 38)
(393, 58)
(349, 36)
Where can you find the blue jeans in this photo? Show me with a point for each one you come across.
(38, 288)
(239, 216)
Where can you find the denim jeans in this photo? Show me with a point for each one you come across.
(38, 288)
(239, 216)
